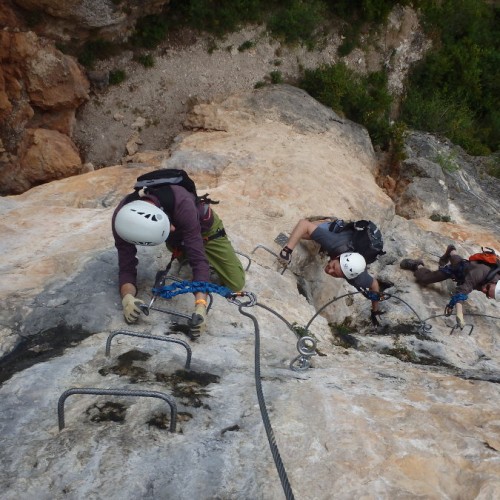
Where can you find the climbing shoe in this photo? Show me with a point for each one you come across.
(445, 258)
(410, 264)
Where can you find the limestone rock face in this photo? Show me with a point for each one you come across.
(39, 87)
(406, 410)
(64, 19)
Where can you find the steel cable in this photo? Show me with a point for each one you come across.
(263, 410)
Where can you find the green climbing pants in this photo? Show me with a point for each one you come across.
(223, 259)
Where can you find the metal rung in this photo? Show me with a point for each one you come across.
(152, 337)
(266, 249)
(169, 311)
(117, 392)
(456, 326)
(246, 257)
(272, 253)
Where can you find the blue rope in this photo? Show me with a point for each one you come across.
(458, 297)
(180, 287)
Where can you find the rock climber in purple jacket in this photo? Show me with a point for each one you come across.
(191, 228)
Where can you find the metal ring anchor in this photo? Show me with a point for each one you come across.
(117, 392)
(187, 366)
(307, 348)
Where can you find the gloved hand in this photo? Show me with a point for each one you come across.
(197, 323)
(131, 308)
(373, 317)
(286, 255)
(460, 320)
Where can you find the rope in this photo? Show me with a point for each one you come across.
(180, 287)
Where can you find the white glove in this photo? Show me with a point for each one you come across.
(197, 323)
(131, 308)
(460, 320)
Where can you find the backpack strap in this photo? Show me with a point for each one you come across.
(491, 275)
(165, 197)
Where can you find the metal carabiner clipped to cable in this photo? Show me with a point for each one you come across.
(252, 299)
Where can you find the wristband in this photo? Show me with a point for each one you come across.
(200, 301)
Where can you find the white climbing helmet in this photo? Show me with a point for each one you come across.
(352, 264)
(142, 223)
(496, 295)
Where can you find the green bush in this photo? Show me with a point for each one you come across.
(454, 90)
(364, 99)
(97, 49)
(218, 16)
(147, 60)
(149, 32)
(297, 21)
(493, 165)
(246, 45)
(276, 77)
(116, 76)
(375, 11)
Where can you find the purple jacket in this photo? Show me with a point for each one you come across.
(190, 221)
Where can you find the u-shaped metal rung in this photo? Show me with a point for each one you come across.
(272, 253)
(152, 337)
(456, 326)
(117, 392)
(246, 257)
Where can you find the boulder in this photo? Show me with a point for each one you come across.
(43, 155)
(39, 88)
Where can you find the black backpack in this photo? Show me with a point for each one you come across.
(367, 239)
(158, 184)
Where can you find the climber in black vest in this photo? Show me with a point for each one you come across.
(335, 240)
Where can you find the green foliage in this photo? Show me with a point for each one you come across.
(300, 330)
(276, 77)
(246, 45)
(259, 84)
(349, 43)
(455, 90)
(297, 21)
(147, 60)
(116, 76)
(448, 162)
(150, 31)
(440, 218)
(97, 49)
(364, 99)
(219, 16)
(375, 11)
(493, 165)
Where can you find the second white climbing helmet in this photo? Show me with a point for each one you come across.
(352, 264)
